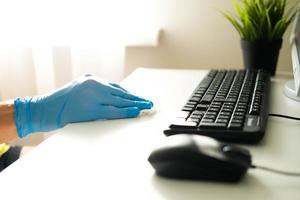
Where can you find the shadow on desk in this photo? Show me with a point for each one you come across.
(193, 190)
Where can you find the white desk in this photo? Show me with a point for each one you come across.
(108, 159)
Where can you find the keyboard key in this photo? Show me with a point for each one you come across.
(207, 99)
(197, 95)
(197, 112)
(196, 120)
(187, 109)
(254, 110)
(239, 113)
(209, 116)
(220, 99)
(202, 107)
(229, 104)
(183, 114)
(224, 117)
(191, 103)
(222, 121)
(182, 124)
(241, 107)
(238, 117)
(225, 113)
(243, 110)
(214, 103)
(244, 100)
(195, 99)
(205, 120)
(213, 109)
(189, 106)
(212, 73)
(227, 110)
(211, 113)
(228, 107)
(199, 117)
(251, 120)
(200, 92)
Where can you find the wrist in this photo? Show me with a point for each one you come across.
(35, 114)
(22, 116)
(8, 130)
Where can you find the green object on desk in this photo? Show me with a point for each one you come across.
(261, 19)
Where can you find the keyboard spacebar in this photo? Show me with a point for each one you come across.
(182, 124)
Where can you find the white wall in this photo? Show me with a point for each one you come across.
(195, 35)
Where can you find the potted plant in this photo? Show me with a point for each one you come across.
(261, 25)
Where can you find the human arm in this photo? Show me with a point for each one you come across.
(8, 130)
(85, 99)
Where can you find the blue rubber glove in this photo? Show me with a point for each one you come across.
(85, 99)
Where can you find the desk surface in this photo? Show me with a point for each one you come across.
(108, 159)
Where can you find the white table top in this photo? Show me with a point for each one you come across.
(108, 159)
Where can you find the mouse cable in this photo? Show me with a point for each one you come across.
(283, 116)
(275, 170)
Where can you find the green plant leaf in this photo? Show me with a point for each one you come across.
(262, 19)
(238, 9)
(235, 23)
(269, 26)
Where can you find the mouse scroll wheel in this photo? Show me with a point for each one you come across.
(235, 151)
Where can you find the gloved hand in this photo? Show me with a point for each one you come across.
(85, 99)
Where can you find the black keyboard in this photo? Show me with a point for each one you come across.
(229, 105)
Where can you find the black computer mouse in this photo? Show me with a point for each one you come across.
(187, 156)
